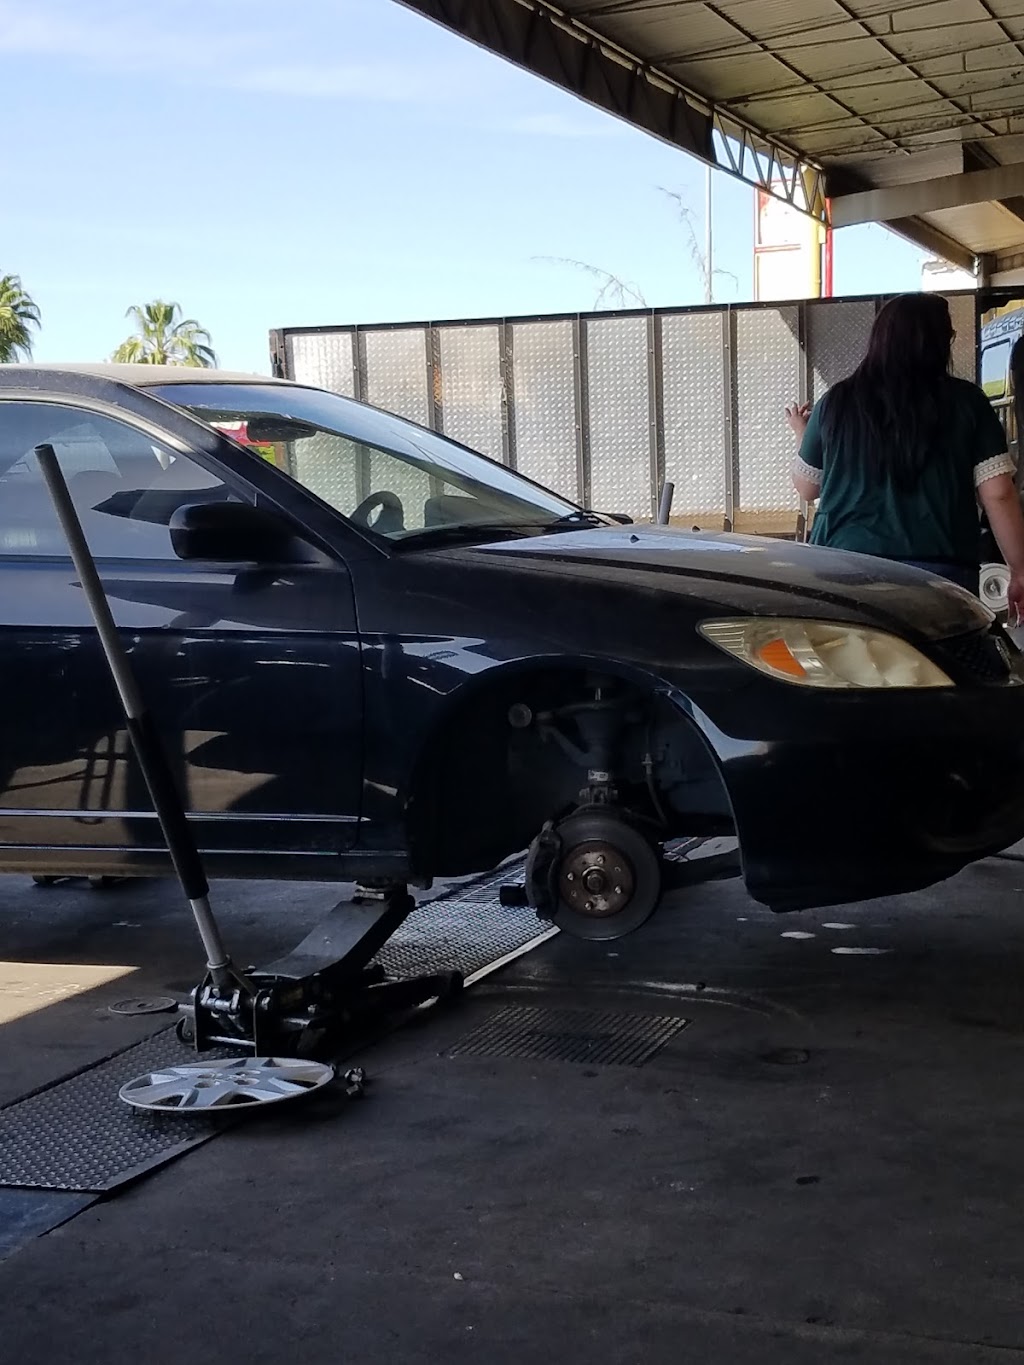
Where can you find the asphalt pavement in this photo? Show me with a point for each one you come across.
(822, 1165)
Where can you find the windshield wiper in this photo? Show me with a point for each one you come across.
(464, 532)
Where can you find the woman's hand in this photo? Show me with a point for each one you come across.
(798, 415)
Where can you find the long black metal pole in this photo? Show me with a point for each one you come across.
(142, 730)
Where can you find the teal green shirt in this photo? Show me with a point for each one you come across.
(935, 521)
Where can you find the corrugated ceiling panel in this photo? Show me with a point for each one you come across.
(729, 78)
(770, 17)
(931, 14)
(990, 225)
(691, 29)
(779, 115)
(891, 100)
(912, 46)
(984, 59)
(834, 59)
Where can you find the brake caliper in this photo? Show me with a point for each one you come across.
(542, 872)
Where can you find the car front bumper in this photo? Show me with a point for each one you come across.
(848, 796)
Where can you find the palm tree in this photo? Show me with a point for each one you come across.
(164, 337)
(18, 315)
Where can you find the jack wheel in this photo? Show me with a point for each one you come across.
(185, 1029)
(607, 879)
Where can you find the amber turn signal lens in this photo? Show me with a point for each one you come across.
(777, 655)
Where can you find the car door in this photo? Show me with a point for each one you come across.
(252, 672)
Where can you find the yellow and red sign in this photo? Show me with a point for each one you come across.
(239, 431)
(787, 250)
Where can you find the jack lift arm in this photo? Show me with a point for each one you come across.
(330, 981)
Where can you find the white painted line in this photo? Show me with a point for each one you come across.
(861, 952)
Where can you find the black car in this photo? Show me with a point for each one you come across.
(374, 655)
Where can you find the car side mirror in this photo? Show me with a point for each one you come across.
(234, 533)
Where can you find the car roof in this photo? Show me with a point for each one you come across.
(145, 376)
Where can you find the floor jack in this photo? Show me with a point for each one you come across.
(329, 983)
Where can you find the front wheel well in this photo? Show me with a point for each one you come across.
(521, 749)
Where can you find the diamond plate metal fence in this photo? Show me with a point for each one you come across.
(471, 388)
(619, 415)
(322, 359)
(963, 311)
(544, 373)
(837, 337)
(693, 407)
(396, 372)
(602, 408)
(767, 376)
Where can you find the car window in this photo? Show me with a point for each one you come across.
(995, 361)
(124, 485)
(380, 471)
(371, 484)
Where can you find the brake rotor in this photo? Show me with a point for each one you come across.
(233, 1083)
(608, 877)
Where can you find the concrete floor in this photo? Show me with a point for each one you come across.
(715, 1204)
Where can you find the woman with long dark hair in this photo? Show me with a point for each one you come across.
(899, 455)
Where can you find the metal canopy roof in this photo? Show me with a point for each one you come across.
(906, 113)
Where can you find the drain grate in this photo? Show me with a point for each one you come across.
(77, 1135)
(467, 930)
(597, 1037)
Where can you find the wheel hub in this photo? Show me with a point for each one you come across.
(596, 879)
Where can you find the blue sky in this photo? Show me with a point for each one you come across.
(270, 164)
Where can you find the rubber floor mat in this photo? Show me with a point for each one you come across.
(77, 1134)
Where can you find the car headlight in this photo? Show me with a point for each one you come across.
(820, 654)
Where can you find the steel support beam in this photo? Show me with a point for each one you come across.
(928, 196)
(930, 239)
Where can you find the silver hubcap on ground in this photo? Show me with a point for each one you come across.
(234, 1083)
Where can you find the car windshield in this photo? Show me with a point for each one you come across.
(383, 473)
